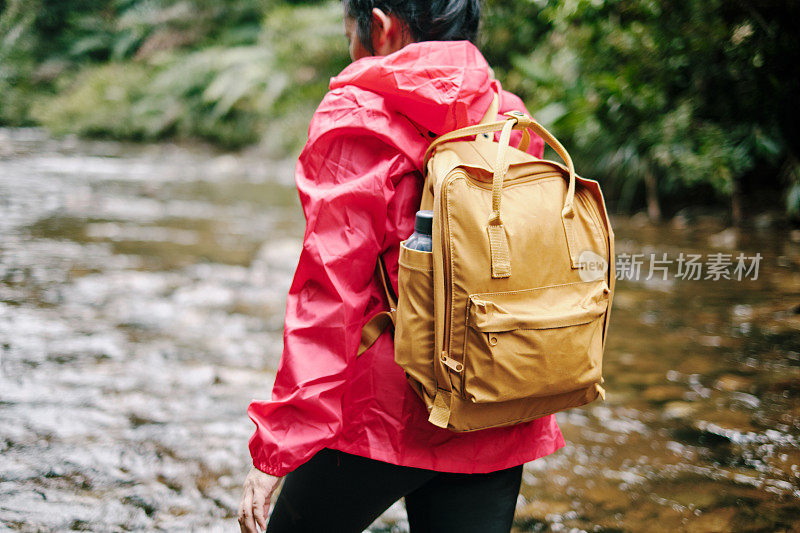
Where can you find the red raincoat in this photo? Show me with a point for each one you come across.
(359, 181)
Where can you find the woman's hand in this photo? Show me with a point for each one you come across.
(258, 489)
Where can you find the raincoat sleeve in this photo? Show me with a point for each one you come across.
(344, 181)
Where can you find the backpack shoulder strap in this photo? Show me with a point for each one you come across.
(376, 325)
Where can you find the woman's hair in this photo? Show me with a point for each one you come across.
(427, 20)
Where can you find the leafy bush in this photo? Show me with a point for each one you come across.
(214, 93)
(666, 94)
(17, 42)
(658, 98)
(107, 91)
(226, 93)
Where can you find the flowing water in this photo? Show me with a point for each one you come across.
(141, 299)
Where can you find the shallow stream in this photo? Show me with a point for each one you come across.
(141, 299)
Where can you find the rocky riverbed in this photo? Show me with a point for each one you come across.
(141, 298)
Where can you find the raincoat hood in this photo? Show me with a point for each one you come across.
(439, 85)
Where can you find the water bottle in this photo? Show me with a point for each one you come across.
(421, 238)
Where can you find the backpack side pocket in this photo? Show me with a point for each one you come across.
(414, 328)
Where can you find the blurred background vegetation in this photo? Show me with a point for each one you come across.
(671, 104)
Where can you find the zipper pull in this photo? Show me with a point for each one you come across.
(600, 391)
(450, 363)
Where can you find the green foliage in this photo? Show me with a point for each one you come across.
(138, 70)
(107, 91)
(793, 193)
(214, 93)
(102, 30)
(310, 47)
(690, 92)
(687, 94)
(17, 42)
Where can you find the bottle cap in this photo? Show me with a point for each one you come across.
(424, 222)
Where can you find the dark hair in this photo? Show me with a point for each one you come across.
(427, 20)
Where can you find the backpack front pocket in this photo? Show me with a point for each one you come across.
(536, 342)
(414, 327)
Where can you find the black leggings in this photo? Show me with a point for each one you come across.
(342, 493)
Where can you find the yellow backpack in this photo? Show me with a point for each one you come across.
(505, 320)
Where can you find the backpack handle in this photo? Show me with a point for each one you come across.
(525, 123)
(517, 121)
(520, 122)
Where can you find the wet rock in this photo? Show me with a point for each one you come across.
(743, 312)
(679, 409)
(540, 513)
(640, 220)
(764, 221)
(663, 393)
(732, 382)
(679, 222)
(727, 238)
(702, 436)
(715, 521)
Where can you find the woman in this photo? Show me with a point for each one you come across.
(350, 433)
